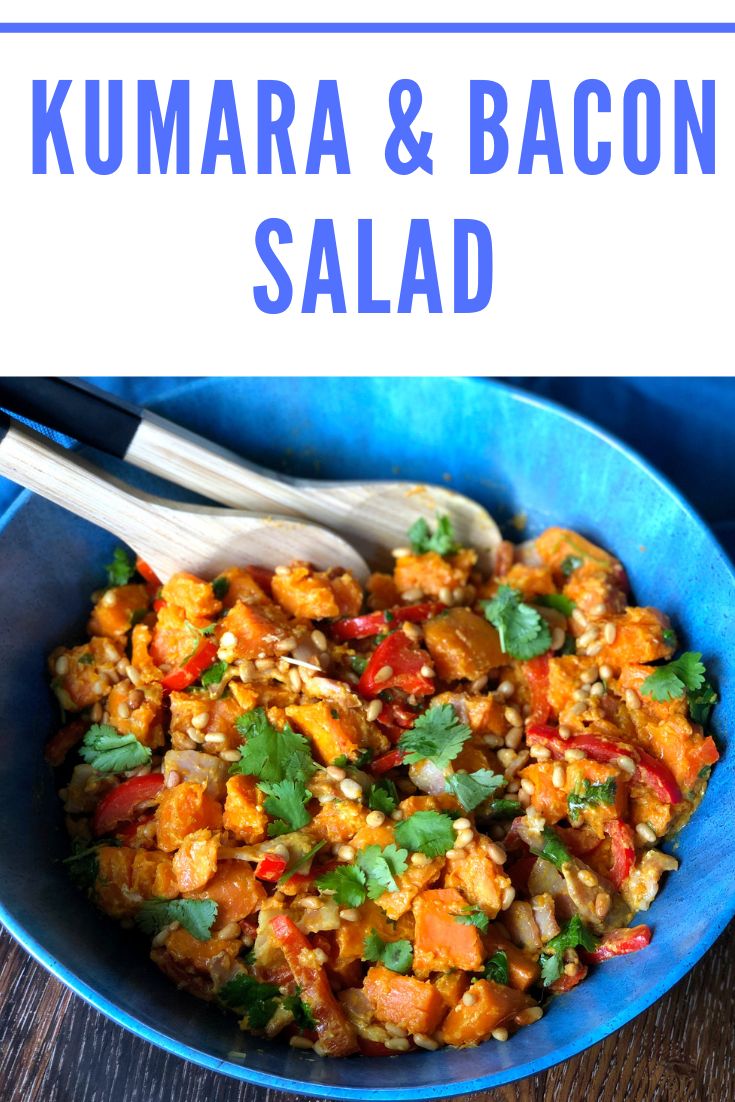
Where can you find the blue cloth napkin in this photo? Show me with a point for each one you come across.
(685, 427)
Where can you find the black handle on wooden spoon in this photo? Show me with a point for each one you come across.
(84, 412)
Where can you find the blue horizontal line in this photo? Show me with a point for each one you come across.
(367, 28)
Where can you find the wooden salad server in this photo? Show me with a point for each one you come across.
(374, 516)
(169, 536)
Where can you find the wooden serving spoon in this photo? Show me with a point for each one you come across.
(373, 516)
(167, 535)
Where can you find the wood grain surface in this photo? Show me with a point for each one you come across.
(55, 1048)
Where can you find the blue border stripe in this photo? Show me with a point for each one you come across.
(367, 28)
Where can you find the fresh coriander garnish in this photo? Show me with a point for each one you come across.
(496, 968)
(107, 751)
(121, 569)
(213, 675)
(270, 754)
(437, 735)
(686, 674)
(429, 832)
(588, 795)
(570, 564)
(472, 789)
(195, 915)
(396, 955)
(347, 883)
(572, 935)
(381, 866)
(558, 601)
(442, 540)
(552, 849)
(220, 586)
(523, 631)
(253, 1000)
(286, 802)
(383, 796)
(473, 916)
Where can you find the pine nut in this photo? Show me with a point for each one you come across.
(500, 1034)
(451, 854)
(195, 736)
(420, 860)
(602, 904)
(401, 552)
(231, 930)
(527, 786)
(606, 672)
(172, 779)
(422, 1040)
(374, 708)
(384, 673)
(319, 640)
(396, 815)
(320, 956)
(558, 637)
(505, 688)
(229, 755)
(513, 737)
(264, 664)
(625, 762)
(589, 676)
(513, 717)
(349, 915)
(594, 650)
(579, 708)
(587, 637)
(413, 594)
(557, 777)
(228, 639)
(427, 671)
(445, 595)
(565, 732)
(609, 633)
(508, 896)
(282, 571)
(597, 689)
(464, 837)
(215, 737)
(123, 711)
(479, 684)
(200, 721)
(62, 665)
(632, 700)
(351, 789)
(506, 757)
(310, 902)
(496, 853)
(540, 753)
(336, 772)
(588, 878)
(579, 618)
(469, 999)
(375, 819)
(461, 824)
(398, 1044)
(573, 754)
(646, 833)
(533, 1014)
(294, 681)
(300, 1042)
(346, 853)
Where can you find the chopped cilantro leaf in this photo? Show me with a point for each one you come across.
(473, 916)
(358, 662)
(701, 701)
(363, 758)
(269, 754)
(341, 760)
(437, 735)
(558, 601)
(301, 1011)
(588, 795)
(107, 751)
(286, 802)
(552, 849)
(383, 796)
(502, 809)
(551, 966)
(213, 675)
(381, 866)
(348, 884)
(83, 863)
(685, 674)
(429, 832)
(572, 935)
(442, 540)
(496, 968)
(220, 586)
(121, 569)
(570, 564)
(254, 1000)
(523, 631)
(396, 955)
(195, 915)
(569, 646)
(471, 789)
(86, 659)
(669, 637)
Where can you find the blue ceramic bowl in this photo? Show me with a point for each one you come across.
(515, 454)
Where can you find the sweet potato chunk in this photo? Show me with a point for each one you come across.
(78, 673)
(338, 821)
(410, 883)
(242, 586)
(598, 773)
(114, 612)
(195, 861)
(431, 573)
(333, 729)
(531, 581)
(477, 877)
(303, 592)
(351, 935)
(557, 544)
(173, 641)
(244, 815)
(493, 1006)
(126, 877)
(235, 891)
(382, 592)
(441, 943)
(550, 801)
(638, 638)
(523, 970)
(141, 660)
(193, 594)
(464, 646)
(258, 629)
(452, 986)
(201, 955)
(413, 1004)
(137, 711)
(184, 809)
(347, 592)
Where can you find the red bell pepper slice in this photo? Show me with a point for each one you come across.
(542, 735)
(391, 760)
(616, 943)
(271, 867)
(602, 749)
(405, 659)
(121, 803)
(152, 581)
(622, 842)
(158, 604)
(200, 661)
(337, 1035)
(566, 983)
(361, 627)
(537, 676)
(395, 715)
(657, 776)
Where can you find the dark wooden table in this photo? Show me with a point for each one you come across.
(55, 1048)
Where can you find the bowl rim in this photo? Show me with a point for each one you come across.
(575, 1045)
